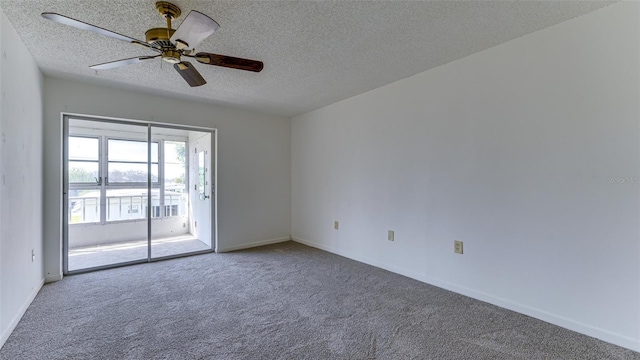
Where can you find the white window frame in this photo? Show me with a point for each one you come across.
(104, 185)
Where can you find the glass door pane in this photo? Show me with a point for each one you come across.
(181, 222)
(107, 187)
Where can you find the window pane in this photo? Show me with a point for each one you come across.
(84, 206)
(131, 151)
(174, 152)
(174, 165)
(174, 177)
(126, 204)
(175, 203)
(127, 172)
(83, 172)
(81, 148)
(171, 210)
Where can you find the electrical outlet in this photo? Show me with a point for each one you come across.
(390, 235)
(336, 225)
(457, 247)
(33, 255)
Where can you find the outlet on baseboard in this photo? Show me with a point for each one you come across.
(457, 247)
(390, 235)
(336, 225)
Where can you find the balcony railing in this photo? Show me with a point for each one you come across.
(121, 208)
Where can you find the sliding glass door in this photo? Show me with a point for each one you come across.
(182, 217)
(132, 192)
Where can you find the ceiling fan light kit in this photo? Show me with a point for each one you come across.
(170, 44)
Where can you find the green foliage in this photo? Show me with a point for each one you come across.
(181, 152)
(79, 175)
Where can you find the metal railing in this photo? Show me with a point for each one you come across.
(79, 212)
(122, 208)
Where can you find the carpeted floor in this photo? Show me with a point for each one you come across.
(284, 301)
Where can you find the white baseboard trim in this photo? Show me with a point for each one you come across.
(586, 329)
(52, 278)
(362, 259)
(16, 319)
(254, 244)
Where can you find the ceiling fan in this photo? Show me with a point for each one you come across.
(170, 44)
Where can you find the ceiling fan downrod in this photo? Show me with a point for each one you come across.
(168, 10)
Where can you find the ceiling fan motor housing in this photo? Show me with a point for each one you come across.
(159, 37)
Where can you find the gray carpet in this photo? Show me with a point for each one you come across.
(285, 301)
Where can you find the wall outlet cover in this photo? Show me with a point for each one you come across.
(390, 235)
(336, 225)
(458, 247)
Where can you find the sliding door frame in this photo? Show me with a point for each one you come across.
(213, 161)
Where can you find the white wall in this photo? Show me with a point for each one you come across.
(20, 178)
(132, 230)
(254, 198)
(2, 25)
(528, 152)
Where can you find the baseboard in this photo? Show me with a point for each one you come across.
(586, 329)
(52, 278)
(16, 319)
(362, 259)
(254, 244)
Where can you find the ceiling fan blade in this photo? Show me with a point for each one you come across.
(85, 26)
(230, 62)
(189, 73)
(193, 29)
(123, 62)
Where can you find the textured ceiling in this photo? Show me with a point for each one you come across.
(315, 52)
